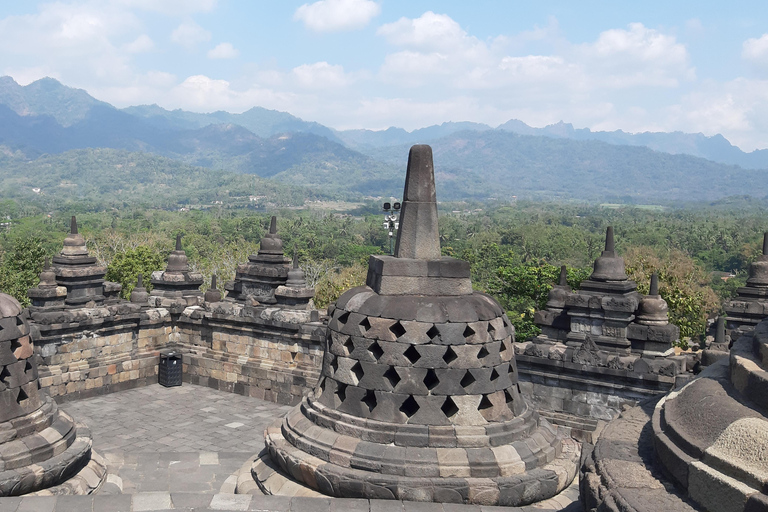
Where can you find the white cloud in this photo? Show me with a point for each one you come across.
(756, 49)
(189, 34)
(223, 51)
(337, 15)
(141, 44)
(170, 7)
(320, 75)
(430, 31)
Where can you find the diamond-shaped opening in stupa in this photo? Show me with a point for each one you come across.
(485, 403)
(365, 325)
(349, 345)
(370, 400)
(376, 350)
(431, 380)
(392, 376)
(397, 329)
(467, 380)
(409, 407)
(450, 356)
(412, 354)
(449, 408)
(357, 371)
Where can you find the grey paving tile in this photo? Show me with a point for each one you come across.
(115, 503)
(74, 504)
(270, 504)
(37, 504)
(302, 504)
(151, 501)
(349, 505)
(9, 504)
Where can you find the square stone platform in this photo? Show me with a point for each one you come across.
(181, 448)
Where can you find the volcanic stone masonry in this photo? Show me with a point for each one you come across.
(709, 439)
(263, 273)
(178, 286)
(750, 305)
(42, 449)
(76, 270)
(418, 397)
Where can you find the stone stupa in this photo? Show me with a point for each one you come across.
(418, 397)
(42, 449)
(178, 285)
(263, 273)
(750, 306)
(76, 270)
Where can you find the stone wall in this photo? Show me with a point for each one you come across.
(583, 398)
(256, 354)
(102, 355)
(249, 355)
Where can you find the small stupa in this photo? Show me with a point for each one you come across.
(295, 293)
(750, 306)
(177, 283)
(258, 278)
(47, 294)
(78, 272)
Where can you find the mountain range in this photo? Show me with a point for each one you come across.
(46, 118)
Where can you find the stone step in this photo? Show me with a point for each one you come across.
(199, 502)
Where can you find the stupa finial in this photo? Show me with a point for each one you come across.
(654, 284)
(140, 281)
(178, 242)
(273, 225)
(765, 243)
(720, 332)
(418, 236)
(609, 246)
(563, 281)
(73, 225)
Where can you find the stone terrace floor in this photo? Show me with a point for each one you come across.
(180, 448)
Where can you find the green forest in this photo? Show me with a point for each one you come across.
(515, 250)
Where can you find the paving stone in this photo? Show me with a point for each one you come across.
(37, 504)
(11, 504)
(301, 504)
(270, 504)
(151, 501)
(73, 504)
(230, 502)
(192, 500)
(349, 505)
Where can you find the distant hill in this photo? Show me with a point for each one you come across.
(115, 178)
(474, 161)
(47, 97)
(260, 121)
(501, 164)
(715, 148)
(366, 139)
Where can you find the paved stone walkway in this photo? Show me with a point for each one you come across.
(180, 449)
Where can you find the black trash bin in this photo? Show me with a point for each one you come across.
(169, 372)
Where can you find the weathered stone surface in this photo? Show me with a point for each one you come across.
(417, 360)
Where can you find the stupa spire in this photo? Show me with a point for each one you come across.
(418, 237)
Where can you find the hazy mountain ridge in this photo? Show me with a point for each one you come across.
(505, 164)
(114, 178)
(472, 160)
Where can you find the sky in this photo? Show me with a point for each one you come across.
(692, 66)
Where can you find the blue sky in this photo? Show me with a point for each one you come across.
(638, 66)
